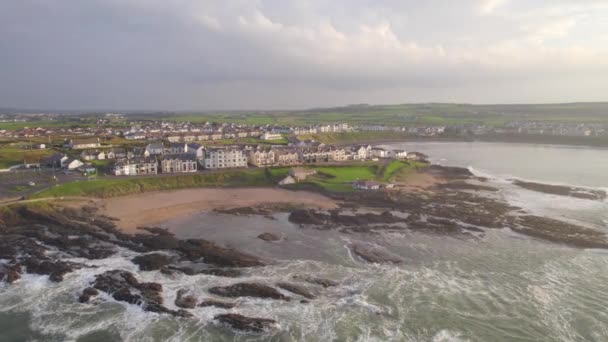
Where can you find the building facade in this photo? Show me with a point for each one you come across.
(223, 158)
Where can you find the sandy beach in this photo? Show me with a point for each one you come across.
(153, 208)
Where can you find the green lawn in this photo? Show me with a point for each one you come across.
(10, 155)
(111, 187)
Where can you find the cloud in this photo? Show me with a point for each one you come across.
(216, 54)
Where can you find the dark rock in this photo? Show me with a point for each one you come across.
(217, 303)
(310, 217)
(248, 290)
(244, 323)
(219, 272)
(156, 231)
(153, 261)
(269, 237)
(10, 273)
(374, 254)
(297, 289)
(562, 190)
(185, 301)
(55, 269)
(317, 281)
(87, 294)
(211, 253)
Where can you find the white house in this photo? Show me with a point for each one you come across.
(222, 158)
(84, 143)
(363, 152)
(272, 136)
(378, 152)
(399, 154)
(73, 164)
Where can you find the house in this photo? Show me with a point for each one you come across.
(195, 149)
(56, 160)
(88, 155)
(189, 138)
(286, 156)
(338, 154)
(301, 173)
(134, 167)
(101, 155)
(271, 136)
(262, 156)
(362, 152)
(154, 149)
(378, 152)
(176, 148)
(135, 136)
(72, 164)
(399, 154)
(178, 163)
(287, 180)
(366, 185)
(84, 143)
(117, 153)
(174, 138)
(217, 136)
(222, 158)
(317, 154)
(417, 156)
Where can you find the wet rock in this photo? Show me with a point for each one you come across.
(269, 237)
(583, 193)
(297, 289)
(308, 217)
(218, 272)
(217, 303)
(55, 269)
(156, 231)
(87, 294)
(243, 323)
(374, 254)
(561, 232)
(10, 273)
(185, 301)
(317, 281)
(248, 290)
(195, 249)
(153, 261)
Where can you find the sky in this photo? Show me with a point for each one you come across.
(290, 54)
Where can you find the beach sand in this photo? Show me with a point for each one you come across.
(154, 208)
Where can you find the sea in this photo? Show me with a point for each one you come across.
(502, 287)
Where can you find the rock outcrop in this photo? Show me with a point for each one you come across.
(248, 290)
(243, 323)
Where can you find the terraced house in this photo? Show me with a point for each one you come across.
(224, 158)
(178, 163)
(287, 156)
(136, 167)
(262, 156)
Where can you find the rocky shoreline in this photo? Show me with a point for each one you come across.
(41, 238)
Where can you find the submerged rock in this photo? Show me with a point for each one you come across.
(374, 254)
(217, 303)
(317, 281)
(87, 294)
(248, 290)
(297, 289)
(269, 237)
(55, 269)
(185, 301)
(10, 273)
(244, 323)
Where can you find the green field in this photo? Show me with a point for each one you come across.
(340, 178)
(11, 155)
(242, 141)
(111, 187)
(407, 114)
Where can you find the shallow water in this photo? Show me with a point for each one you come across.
(503, 287)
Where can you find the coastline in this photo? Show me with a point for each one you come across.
(155, 207)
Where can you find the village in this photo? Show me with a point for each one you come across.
(165, 157)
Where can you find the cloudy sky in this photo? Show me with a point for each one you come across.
(281, 54)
